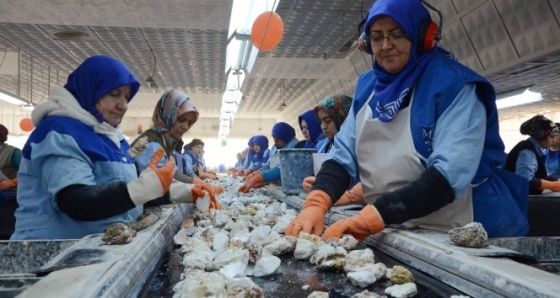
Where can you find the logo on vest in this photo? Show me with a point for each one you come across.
(427, 134)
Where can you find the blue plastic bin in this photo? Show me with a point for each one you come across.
(295, 165)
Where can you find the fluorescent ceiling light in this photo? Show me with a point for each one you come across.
(240, 53)
(235, 79)
(13, 99)
(232, 97)
(244, 13)
(516, 98)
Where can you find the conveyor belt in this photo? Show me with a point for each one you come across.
(296, 274)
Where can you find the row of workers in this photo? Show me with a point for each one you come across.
(421, 139)
(421, 136)
(318, 125)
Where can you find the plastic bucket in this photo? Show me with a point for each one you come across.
(318, 159)
(295, 165)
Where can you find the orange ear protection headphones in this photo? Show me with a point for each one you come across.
(428, 34)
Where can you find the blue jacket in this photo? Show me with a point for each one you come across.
(62, 152)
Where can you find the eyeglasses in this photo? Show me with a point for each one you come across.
(377, 40)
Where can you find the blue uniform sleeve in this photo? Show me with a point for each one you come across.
(62, 163)
(459, 140)
(266, 156)
(272, 174)
(526, 164)
(143, 159)
(344, 149)
(246, 162)
(188, 165)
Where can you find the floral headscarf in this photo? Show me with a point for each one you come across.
(337, 106)
(167, 110)
(97, 76)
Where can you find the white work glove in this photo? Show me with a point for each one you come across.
(153, 182)
(185, 193)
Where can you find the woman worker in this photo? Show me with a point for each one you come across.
(422, 137)
(76, 177)
(330, 113)
(527, 158)
(173, 116)
(311, 130)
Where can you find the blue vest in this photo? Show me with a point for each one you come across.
(62, 152)
(500, 198)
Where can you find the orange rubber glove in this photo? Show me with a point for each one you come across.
(185, 192)
(307, 183)
(6, 184)
(552, 185)
(243, 173)
(311, 219)
(214, 204)
(209, 188)
(254, 180)
(152, 182)
(361, 225)
(354, 195)
(213, 176)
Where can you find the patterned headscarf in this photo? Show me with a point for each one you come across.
(538, 127)
(167, 110)
(314, 127)
(337, 106)
(391, 89)
(96, 77)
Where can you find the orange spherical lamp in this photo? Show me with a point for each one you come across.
(26, 124)
(267, 31)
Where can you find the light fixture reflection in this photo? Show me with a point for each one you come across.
(516, 98)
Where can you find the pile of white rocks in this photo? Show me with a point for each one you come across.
(223, 249)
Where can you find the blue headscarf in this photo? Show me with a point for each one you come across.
(96, 77)
(283, 131)
(314, 127)
(262, 141)
(392, 89)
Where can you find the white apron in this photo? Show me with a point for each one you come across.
(388, 160)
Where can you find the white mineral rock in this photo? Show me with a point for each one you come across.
(318, 294)
(220, 241)
(358, 258)
(402, 291)
(198, 259)
(234, 270)
(281, 246)
(471, 235)
(267, 265)
(367, 294)
(361, 278)
(228, 256)
(243, 287)
(327, 257)
(198, 283)
(304, 249)
(282, 223)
